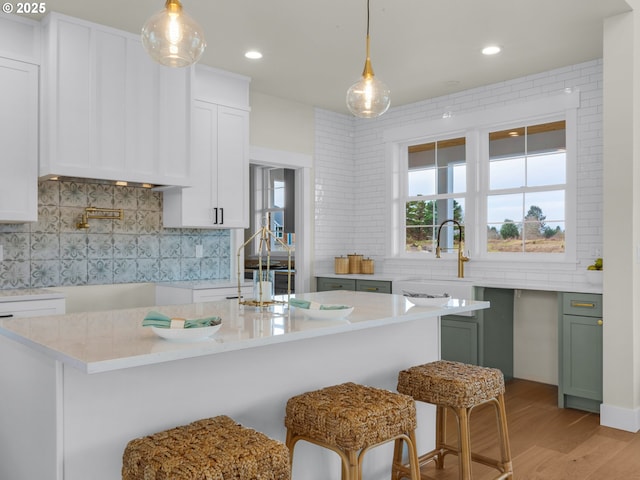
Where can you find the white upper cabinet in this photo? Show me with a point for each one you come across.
(18, 120)
(219, 197)
(108, 111)
(19, 141)
(19, 38)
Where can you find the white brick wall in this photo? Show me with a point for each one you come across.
(350, 174)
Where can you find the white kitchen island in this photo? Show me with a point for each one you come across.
(77, 387)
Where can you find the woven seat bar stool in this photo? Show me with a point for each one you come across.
(350, 419)
(215, 448)
(459, 387)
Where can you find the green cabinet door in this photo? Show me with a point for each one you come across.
(325, 284)
(459, 339)
(375, 286)
(580, 355)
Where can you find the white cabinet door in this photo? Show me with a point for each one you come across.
(232, 176)
(19, 141)
(32, 308)
(219, 169)
(110, 112)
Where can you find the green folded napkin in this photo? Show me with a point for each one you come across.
(160, 320)
(296, 302)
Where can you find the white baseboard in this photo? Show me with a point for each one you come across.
(620, 418)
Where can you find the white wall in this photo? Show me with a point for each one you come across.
(350, 164)
(281, 124)
(621, 330)
(535, 336)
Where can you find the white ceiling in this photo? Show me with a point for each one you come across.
(313, 51)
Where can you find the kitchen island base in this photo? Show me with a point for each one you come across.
(79, 424)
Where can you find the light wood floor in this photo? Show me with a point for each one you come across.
(547, 443)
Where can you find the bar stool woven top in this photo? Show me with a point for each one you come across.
(451, 384)
(350, 416)
(215, 448)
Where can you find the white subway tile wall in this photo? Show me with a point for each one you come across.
(53, 252)
(350, 175)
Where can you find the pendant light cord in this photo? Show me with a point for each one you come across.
(367, 18)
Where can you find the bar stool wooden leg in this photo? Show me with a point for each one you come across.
(414, 461)
(505, 448)
(464, 443)
(399, 469)
(441, 436)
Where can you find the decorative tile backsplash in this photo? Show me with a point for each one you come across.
(53, 252)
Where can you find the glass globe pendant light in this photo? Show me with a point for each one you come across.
(173, 38)
(369, 97)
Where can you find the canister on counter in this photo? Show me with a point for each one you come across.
(355, 262)
(366, 266)
(341, 265)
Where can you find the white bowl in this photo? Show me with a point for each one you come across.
(428, 301)
(186, 334)
(330, 314)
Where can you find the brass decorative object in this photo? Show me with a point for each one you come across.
(99, 213)
(264, 249)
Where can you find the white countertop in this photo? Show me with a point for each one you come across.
(25, 294)
(96, 342)
(206, 284)
(478, 282)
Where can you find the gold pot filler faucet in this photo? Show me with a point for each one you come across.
(461, 257)
(99, 213)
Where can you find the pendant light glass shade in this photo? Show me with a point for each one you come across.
(369, 97)
(173, 38)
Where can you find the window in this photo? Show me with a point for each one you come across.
(273, 200)
(436, 188)
(527, 176)
(506, 175)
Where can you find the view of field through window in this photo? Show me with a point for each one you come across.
(527, 181)
(437, 182)
(524, 200)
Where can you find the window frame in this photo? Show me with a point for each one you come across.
(475, 127)
(569, 254)
(405, 197)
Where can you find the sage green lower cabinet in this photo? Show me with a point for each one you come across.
(459, 339)
(580, 351)
(324, 284)
(376, 286)
(484, 339)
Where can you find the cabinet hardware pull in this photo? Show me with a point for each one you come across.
(221, 216)
(372, 289)
(7, 316)
(600, 322)
(336, 286)
(583, 304)
(215, 220)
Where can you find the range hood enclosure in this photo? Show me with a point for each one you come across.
(108, 111)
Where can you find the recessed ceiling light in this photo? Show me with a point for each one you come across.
(253, 54)
(491, 50)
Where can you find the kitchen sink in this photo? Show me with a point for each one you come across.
(461, 288)
(458, 288)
